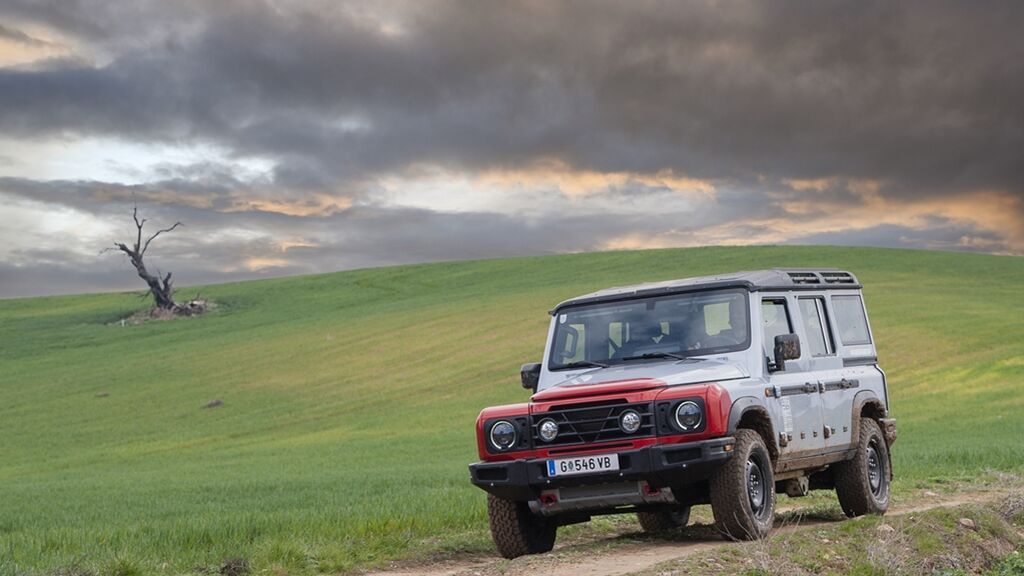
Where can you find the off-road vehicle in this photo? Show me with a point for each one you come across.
(720, 390)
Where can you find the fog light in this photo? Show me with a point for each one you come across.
(548, 430)
(629, 421)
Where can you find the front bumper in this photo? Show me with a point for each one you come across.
(663, 465)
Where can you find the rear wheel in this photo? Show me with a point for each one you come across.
(862, 483)
(664, 520)
(517, 531)
(743, 490)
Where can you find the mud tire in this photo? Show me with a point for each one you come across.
(516, 531)
(739, 515)
(863, 482)
(664, 520)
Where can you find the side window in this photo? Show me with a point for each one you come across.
(850, 320)
(774, 321)
(819, 336)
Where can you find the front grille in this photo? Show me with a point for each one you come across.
(592, 422)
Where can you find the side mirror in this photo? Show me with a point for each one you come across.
(529, 374)
(787, 347)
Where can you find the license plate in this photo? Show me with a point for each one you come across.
(583, 465)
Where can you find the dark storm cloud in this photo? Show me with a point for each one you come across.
(925, 94)
(20, 37)
(941, 235)
(887, 106)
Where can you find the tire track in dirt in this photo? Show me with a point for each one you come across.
(619, 559)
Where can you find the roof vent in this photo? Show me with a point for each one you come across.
(804, 278)
(838, 278)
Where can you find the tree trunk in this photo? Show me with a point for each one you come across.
(160, 289)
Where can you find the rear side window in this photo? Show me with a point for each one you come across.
(819, 337)
(850, 320)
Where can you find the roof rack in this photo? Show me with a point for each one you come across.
(774, 279)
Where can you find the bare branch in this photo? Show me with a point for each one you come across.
(138, 226)
(159, 232)
(123, 248)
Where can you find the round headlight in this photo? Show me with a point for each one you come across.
(503, 435)
(688, 416)
(547, 430)
(629, 421)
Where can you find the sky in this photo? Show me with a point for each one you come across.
(295, 137)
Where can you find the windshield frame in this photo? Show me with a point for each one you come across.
(549, 360)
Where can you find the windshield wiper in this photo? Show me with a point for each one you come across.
(583, 364)
(649, 355)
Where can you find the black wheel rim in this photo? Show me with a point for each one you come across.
(756, 490)
(876, 471)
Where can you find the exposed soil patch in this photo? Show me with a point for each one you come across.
(180, 310)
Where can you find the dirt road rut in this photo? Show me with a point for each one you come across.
(616, 558)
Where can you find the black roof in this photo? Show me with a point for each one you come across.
(775, 279)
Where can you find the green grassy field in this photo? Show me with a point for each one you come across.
(349, 401)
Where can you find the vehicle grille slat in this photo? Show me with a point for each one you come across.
(593, 422)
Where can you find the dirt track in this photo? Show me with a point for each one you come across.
(625, 558)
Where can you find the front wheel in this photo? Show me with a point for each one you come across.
(664, 520)
(743, 490)
(862, 483)
(516, 531)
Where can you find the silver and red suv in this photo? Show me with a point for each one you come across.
(720, 390)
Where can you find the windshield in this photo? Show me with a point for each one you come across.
(675, 326)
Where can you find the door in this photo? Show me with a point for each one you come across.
(827, 367)
(794, 390)
(856, 351)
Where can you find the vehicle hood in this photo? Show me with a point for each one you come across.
(646, 375)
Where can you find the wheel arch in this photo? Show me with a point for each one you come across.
(867, 405)
(750, 413)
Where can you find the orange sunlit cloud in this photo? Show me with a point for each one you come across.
(319, 204)
(576, 182)
(986, 211)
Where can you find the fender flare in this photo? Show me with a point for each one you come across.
(745, 405)
(864, 399)
(740, 407)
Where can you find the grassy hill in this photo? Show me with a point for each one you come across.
(349, 401)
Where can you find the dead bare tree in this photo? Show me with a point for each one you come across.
(160, 287)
